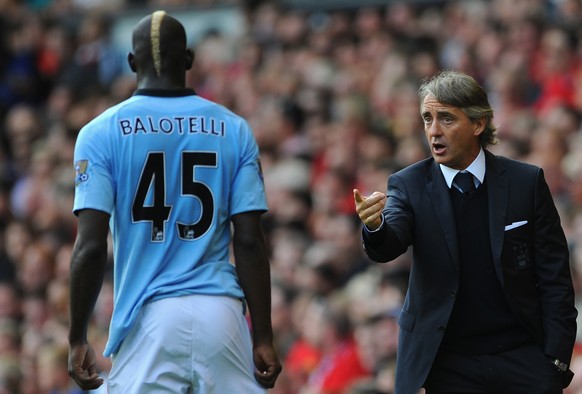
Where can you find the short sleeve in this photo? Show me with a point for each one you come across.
(248, 188)
(93, 177)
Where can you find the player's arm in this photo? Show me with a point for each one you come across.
(88, 265)
(252, 266)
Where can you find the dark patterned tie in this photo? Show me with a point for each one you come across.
(464, 180)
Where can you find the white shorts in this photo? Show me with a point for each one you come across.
(194, 344)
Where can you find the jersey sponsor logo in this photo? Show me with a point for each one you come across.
(187, 233)
(81, 171)
(173, 125)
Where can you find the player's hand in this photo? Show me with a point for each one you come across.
(267, 365)
(370, 208)
(82, 366)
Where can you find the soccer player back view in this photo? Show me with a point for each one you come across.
(168, 172)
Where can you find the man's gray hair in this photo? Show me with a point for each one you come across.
(464, 92)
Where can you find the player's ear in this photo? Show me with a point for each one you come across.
(189, 58)
(131, 61)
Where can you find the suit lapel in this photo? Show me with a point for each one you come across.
(497, 196)
(438, 192)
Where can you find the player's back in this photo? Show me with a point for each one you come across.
(173, 158)
(178, 168)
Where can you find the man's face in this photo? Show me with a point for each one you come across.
(453, 138)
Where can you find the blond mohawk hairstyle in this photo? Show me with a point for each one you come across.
(157, 18)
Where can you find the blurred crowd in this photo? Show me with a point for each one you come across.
(331, 97)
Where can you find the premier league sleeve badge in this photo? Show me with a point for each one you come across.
(81, 171)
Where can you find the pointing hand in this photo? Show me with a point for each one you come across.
(370, 208)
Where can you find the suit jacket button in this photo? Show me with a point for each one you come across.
(441, 328)
(453, 293)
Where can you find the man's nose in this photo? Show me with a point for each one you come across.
(433, 129)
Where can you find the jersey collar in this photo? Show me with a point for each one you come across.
(165, 92)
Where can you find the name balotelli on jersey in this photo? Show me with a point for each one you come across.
(174, 124)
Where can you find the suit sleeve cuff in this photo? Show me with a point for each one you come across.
(367, 229)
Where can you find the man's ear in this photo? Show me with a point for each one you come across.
(131, 61)
(189, 58)
(479, 126)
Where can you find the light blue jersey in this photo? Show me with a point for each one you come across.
(170, 171)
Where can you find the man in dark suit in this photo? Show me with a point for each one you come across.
(490, 303)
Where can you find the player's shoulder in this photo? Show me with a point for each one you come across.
(108, 115)
(215, 109)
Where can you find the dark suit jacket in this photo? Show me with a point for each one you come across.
(538, 289)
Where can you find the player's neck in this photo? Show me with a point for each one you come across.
(160, 83)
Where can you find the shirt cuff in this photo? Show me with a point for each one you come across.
(379, 227)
